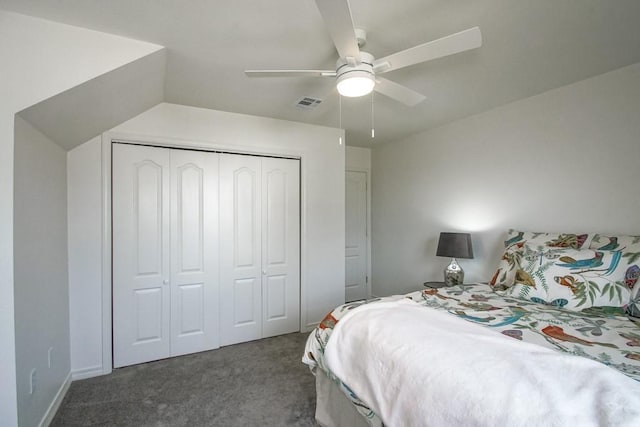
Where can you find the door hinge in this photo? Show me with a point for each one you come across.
(366, 279)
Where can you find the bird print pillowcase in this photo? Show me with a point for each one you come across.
(507, 267)
(556, 240)
(504, 276)
(574, 279)
(626, 244)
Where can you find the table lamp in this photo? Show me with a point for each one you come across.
(454, 245)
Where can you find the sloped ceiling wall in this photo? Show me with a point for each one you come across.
(73, 117)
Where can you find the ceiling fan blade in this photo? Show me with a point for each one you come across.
(337, 17)
(449, 45)
(398, 92)
(290, 73)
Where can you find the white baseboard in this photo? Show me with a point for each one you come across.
(55, 404)
(84, 373)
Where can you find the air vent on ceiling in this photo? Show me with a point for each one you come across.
(308, 103)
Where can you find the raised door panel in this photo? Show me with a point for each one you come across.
(245, 201)
(276, 217)
(190, 311)
(244, 301)
(140, 254)
(356, 236)
(147, 217)
(148, 311)
(275, 298)
(194, 251)
(189, 202)
(240, 248)
(280, 246)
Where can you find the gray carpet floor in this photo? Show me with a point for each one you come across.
(260, 383)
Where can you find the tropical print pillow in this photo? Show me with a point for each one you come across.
(505, 274)
(507, 267)
(555, 240)
(574, 279)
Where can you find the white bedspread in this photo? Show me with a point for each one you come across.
(419, 367)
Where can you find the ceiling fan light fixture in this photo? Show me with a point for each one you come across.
(354, 80)
(356, 70)
(355, 83)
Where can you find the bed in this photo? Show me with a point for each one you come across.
(549, 341)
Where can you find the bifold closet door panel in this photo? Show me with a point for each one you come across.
(194, 251)
(280, 246)
(240, 248)
(165, 253)
(141, 292)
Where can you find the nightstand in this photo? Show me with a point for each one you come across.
(434, 285)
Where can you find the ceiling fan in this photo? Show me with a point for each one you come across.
(357, 71)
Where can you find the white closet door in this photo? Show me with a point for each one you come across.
(280, 246)
(240, 249)
(194, 251)
(140, 254)
(356, 236)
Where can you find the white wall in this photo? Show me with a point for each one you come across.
(40, 271)
(39, 59)
(358, 158)
(565, 160)
(322, 188)
(8, 397)
(84, 198)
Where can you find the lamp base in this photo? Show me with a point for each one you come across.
(453, 274)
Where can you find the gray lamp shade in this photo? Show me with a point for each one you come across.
(455, 245)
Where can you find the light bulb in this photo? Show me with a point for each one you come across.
(354, 84)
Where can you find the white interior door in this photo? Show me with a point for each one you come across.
(141, 294)
(194, 251)
(240, 248)
(280, 246)
(356, 236)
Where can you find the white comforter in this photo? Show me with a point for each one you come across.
(415, 366)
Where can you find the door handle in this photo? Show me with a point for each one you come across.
(165, 282)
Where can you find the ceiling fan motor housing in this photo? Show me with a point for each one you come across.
(361, 37)
(355, 80)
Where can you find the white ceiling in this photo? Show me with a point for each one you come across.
(529, 46)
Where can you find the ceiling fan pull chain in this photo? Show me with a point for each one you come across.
(373, 128)
(340, 114)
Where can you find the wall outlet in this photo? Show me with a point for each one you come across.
(32, 381)
(49, 356)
